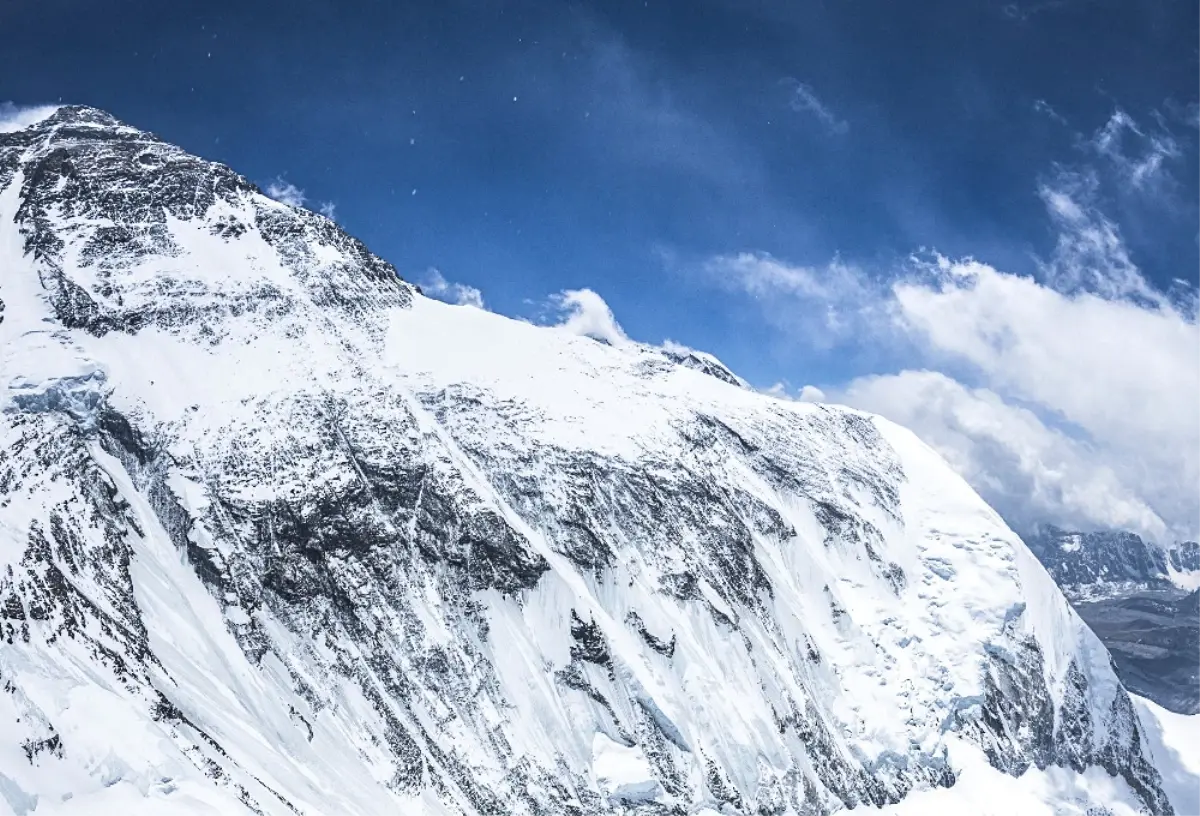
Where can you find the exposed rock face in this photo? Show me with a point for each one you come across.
(1093, 565)
(279, 533)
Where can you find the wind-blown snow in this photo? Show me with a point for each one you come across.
(18, 117)
(318, 544)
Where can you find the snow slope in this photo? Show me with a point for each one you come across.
(1174, 741)
(278, 534)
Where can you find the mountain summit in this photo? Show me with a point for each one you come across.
(280, 535)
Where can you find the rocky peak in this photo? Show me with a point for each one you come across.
(111, 214)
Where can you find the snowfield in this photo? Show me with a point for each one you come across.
(280, 535)
(1174, 741)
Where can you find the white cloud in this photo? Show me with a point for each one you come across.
(1026, 469)
(1107, 365)
(329, 210)
(1137, 153)
(1090, 254)
(286, 193)
(823, 304)
(805, 100)
(18, 117)
(1088, 412)
(435, 285)
(585, 313)
(1076, 398)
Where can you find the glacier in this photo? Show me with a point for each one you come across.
(281, 535)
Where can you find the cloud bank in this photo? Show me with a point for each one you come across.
(1072, 397)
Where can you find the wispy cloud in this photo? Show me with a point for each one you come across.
(328, 209)
(1090, 254)
(285, 192)
(1139, 154)
(18, 117)
(836, 299)
(1023, 12)
(1191, 115)
(804, 99)
(1046, 109)
(634, 112)
(435, 285)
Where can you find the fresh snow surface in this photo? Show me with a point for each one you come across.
(982, 790)
(622, 772)
(1174, 741)
(279, 533)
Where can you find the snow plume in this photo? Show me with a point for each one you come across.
(286, 193)
(435, 285)
(18, 117)
(585, 313)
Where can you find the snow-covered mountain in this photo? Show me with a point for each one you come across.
(1106, 563)
(280, 535)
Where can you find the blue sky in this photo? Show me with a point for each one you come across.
(688, 160)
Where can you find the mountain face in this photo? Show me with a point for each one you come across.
(1093, 565)
(280, 535)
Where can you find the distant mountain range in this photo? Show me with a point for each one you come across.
(1089, 566)
(1142, 600)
